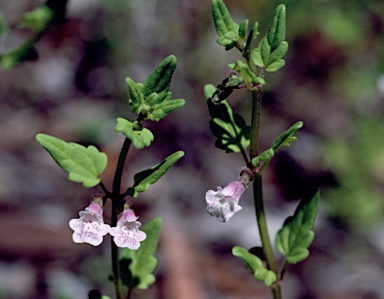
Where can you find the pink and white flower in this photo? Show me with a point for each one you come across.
(223, 203)
(90, 227)
(127, 233)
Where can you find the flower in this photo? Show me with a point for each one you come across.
(90, 227)
(223, 203)
(127, 233)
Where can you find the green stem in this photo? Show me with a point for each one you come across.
(258, 191)
(276, 292)
(262, 223)
(255, 124)
(285, 267)
(263, 231)
(117, 280)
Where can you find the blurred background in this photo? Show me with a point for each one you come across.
(74, 88)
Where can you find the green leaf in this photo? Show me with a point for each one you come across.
(151, 175)
(293, 239)
(160, 79)
(37, 19)
(275, 61)
(140, 137)
(255, 265)
(209, 90)
(138, 265)
(230, 35)
(84, 165)
(287, 137)
(136, 99)
(278, 53)
(243, 28)
(265, 51)
(272, 48)
(222, 41)
(251, 37)
(230, 128)
(246, 73)
(275, 66)
(276, 33)
(153, 99)
(284, 140)
(222, 19)
(256, 57)
(25, 52)
(161, 110)
(265, 156)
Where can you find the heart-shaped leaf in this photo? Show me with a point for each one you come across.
(84, 164)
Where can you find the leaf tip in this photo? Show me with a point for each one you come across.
(39, 137)
(235, 250)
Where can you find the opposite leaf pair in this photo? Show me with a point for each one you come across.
(152, 99)
(271, 49)
(90, 227)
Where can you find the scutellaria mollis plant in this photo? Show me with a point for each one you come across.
(235, 136)
(133, 247)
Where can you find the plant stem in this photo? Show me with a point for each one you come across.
(104, 189)
(262, 223)
(119, 290)
(258, 191)
(285, 267)
(276, 290)
(129, 292)
(120, 167)
(255, 123)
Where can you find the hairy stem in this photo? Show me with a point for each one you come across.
(258, 191)
(263, 231)
(117, 280)
(262, 223)
(255, 123)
